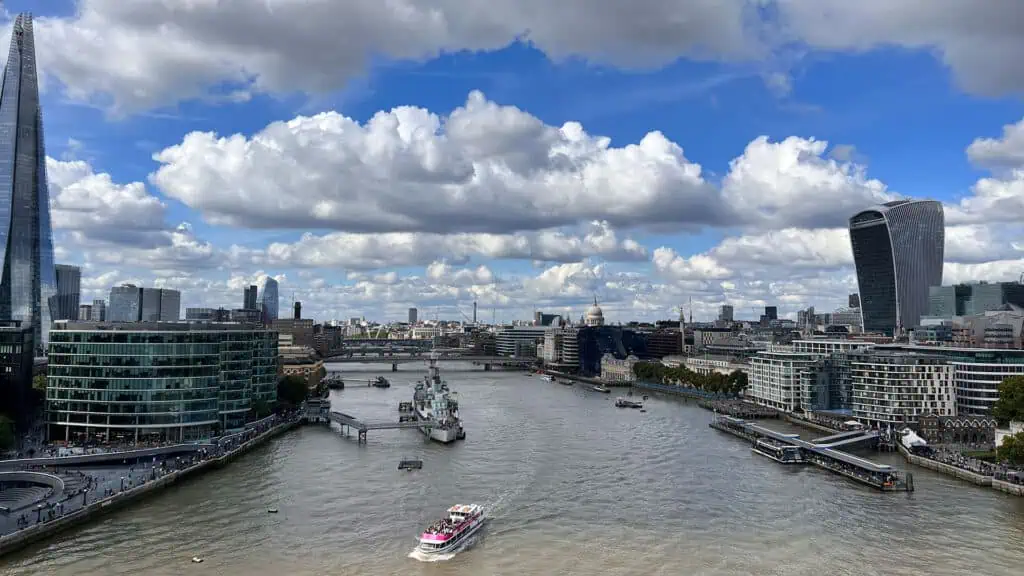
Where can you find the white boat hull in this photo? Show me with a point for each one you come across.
(427, 548)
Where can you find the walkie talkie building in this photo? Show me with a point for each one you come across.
(898, 251)
(27, 276)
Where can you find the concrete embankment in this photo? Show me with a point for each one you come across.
(1008, 487)
(585, 380)
(22, 538)
(948, 469)
(686, 391)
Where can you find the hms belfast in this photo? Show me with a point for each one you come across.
(437, 407)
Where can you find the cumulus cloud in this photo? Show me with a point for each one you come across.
(173, 50)
(371, 251)
(95, 207)
(483, 168)
(1000, 197)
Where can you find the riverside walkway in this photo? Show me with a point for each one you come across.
(93, 491)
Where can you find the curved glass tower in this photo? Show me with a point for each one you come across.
(27, 277)
(269, 300)
(898, 251)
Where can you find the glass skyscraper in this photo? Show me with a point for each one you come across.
(898, 251)
(64, 305)
(27, 277)
(269, 301)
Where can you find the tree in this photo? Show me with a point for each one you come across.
(7, 438)
(1011, 450)
(738, 382)
(1010, 405)
(291, 390)
(39, 382)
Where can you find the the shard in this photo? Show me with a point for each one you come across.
(27, 276)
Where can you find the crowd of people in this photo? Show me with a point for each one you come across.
(89, 486)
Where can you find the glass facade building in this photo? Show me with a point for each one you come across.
(130, 303)
(969, 299)
(64, 305)
(898, 251)
(27, 277)
(157, 381)
(269, 301)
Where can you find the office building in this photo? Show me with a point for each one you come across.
(853, 301)
(17, 351)
(510, 341)
(413, 315)
(898, 250)
(166, 381)
(130, 303)
(27, 275)
(250, 298)
(269, 301)
(99, 311)
(84, 312)
(725, 313)
(945, 302)
(618, 371)
(64, 304)
(893, 389)
(301, 331)
(298, 311)
(207, 315)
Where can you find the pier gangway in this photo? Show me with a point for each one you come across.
(838, 437)
(880, 476)
(361, 427)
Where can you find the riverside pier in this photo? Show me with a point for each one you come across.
(825, 453)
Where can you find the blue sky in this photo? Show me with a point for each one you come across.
(894, 110)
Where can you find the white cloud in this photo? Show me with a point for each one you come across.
(790, 183)
(168, 50)
(96, 207)
(999, 198)
(484, 168)
(372, 251)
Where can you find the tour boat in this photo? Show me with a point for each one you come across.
(447, 534)
(547, 378)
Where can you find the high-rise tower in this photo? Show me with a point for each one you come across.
(27, 277)
(268, 301)
(898, 250)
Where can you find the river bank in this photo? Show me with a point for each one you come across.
(38, 532)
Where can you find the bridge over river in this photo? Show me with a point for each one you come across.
(488, 362)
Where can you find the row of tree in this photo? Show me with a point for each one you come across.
(1010, 408)
(715, 382)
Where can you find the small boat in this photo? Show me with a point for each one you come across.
(621, 402)
(197, 560)
(601, 389)
(272, 511)
(643, 410)
(335, 383)
(447, 534)
(410, 464)
(380, 382)
(547, 378)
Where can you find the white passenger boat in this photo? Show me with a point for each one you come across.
(547, 378)
(447, 534)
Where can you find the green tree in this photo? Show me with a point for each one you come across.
(261, 408)
(1011, 450)
(291, 390)
(7, 438)
(1010, 405)
(738, 382)
(39, 382)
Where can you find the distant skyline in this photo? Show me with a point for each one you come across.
(376, 160)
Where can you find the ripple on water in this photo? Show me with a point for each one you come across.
(573, 486)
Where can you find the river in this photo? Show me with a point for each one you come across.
(573, 485)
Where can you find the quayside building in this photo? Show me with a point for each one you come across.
(157, 381)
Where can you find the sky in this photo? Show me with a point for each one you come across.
(656, 155)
